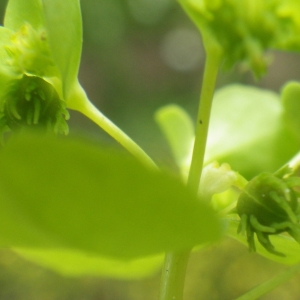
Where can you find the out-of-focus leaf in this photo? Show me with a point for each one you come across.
(69, 194)
(74, 263)
(248, 132)
(290, 96)
(283, 243)
(178, 129)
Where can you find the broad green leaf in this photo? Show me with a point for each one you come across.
(247, 130)
(19, 12)
(178, 129)
(283, 243)
(290, 96)
(69, 194)
(64, 27)
(74, 263)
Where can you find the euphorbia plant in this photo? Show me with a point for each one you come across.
(81, 208)
(97, 206)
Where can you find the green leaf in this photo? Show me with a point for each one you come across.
(283, 243)
(290, 96)
(5, 36)
(69, 194)
(179, 131)
(74, 263)
(64, 27)
(247, 130)
(6, 74)
(19, 12)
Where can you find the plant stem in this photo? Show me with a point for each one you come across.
(271, 284)
(174, 269)
(80, 102)
(206, 97)
(173, 277)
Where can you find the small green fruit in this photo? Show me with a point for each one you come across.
(269, 205)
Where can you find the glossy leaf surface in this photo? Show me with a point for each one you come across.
(69, 194)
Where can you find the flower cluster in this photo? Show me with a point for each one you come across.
(244, 30)
(33, 64)
(27, 98)
(29, 52)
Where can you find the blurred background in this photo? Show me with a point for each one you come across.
(139, 55)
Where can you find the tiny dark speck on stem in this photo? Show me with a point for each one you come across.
(200, 121)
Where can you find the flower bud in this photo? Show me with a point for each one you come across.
(216, 179)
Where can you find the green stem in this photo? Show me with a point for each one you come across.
(174, 270)
(206, 97)
(79, 101)
(294, 164)
(173, 276)
(271, 284)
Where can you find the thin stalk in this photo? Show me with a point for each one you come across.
(271, 284)
(203, 117)
(80, 102)
(173, 277)
(174, 269)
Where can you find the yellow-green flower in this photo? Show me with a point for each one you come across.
(40, 48)
(244, 30)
